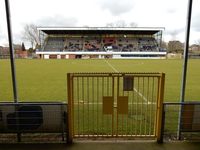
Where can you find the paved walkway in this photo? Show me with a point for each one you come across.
(105, 146)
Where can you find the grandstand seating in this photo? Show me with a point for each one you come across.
(54, 44)
(95, 43)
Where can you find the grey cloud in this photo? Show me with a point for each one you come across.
(117, 7)
(196, 23)
(3, 36)
(174, 32)
(171, 10)
(17, 38)
(56, 20)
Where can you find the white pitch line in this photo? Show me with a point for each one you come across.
(140, 94)
(113, 68)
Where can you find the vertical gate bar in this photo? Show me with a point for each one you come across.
(128, 94)
(160, 107)
(108, 94)
(126, 123)
(156, 100)
(93, 112)
(130, 100)
(151, 108)
(69, 110)
(122, 116)
(145, 104)
(143, 100)
(98, 106)
(72, 96)
(147, 107)
(154, 107)
(117, 125)
(83, 96)
(132, 106)
(102, 124)
(106, 116)
(137, 100)
(140, 104)
(113, 86)
(135, 106)
(78, 132)
(88, 101)
(157, 104)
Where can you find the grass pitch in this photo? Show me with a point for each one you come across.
(45, 80)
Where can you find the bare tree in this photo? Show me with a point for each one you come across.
(197, 43)
(175, 47)
(120, 23)
(31, 34)
(111, 24)
(164, 45)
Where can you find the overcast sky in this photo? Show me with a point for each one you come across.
(170, 14)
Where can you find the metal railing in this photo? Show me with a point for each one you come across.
(189, 126)
(126, 105)
(33, 121)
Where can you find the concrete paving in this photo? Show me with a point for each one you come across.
(105, 146)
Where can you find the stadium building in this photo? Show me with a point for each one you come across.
(101, 42)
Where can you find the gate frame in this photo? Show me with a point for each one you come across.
(160, 98)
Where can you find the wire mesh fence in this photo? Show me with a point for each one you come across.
(181, 121)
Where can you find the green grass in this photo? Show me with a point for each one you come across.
(45, 80)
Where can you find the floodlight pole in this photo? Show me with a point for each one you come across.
(12, 60)
(184, 73)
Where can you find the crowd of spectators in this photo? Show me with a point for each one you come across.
(119, 44)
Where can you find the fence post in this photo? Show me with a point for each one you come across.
(160, 107)
(163, 124)
(69, 110)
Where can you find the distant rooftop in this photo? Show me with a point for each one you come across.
(101, 30)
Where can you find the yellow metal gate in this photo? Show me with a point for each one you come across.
(115, 104)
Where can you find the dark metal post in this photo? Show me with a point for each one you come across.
(162, 125)
(12, 61)
(184, 73)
